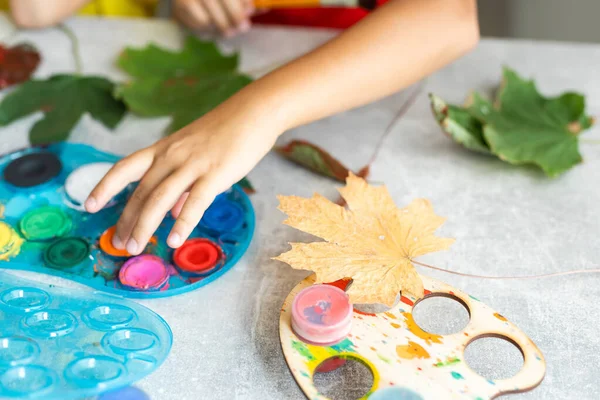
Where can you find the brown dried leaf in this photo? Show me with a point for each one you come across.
(372, 242)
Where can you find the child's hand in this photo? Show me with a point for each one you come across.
(229, 16)
(184, 173)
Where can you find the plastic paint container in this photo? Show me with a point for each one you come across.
(83, 180)
(66, 252)
(322, 315)
(199, 257)
(126, 393)
(107, 247)
(32, 169)
(395, 393)
(144, 273)
(44, 223)
(10, 241)
(223, 216)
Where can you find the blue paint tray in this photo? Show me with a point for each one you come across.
(62, 344)
(37, 186)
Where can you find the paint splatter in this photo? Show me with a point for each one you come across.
(395, 325)
(384, 359)
(474, 298)
(411, 350)
(344, 346)
(315, 314)
(390, 315)
(457, 376)
(447, 362)
(420, 333)
(500, 317)
(302, 350)
(407, 301)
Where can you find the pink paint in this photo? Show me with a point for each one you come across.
(145, 272)
(322, 314)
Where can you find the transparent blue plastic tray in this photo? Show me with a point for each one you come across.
(58, 343)
(99, 270)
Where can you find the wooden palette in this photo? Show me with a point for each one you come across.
(402, 356)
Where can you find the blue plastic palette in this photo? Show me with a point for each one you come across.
(43, 228)
(58, 343)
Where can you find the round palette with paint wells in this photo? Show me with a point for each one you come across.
(45, 228)
(406, 361)
(62, 344)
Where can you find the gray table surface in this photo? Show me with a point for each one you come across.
(507, 220)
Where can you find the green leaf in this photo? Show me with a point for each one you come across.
(63, 99)
(185, 84)
(317, 160)
(523, 127)
(459, 125)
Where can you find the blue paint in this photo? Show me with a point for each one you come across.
(101, 272)
(395, 393)
(316, 313)
(127, 393)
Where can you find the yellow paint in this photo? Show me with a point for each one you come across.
(10, 242)
(418, 332)
(390, 315)
(500, 317)
(395, 325)
(411, 350)
(121, 8)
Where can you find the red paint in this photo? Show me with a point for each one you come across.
(407, 301)
(198, 256)
(426, 292)
(363, 313)
(341, 283)
(331, 364)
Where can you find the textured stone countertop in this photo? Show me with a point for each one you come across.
(507, 220)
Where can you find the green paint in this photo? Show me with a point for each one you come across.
(44, 223)
(303, 350)
(304, 374)
(384, 359)
(449, 361)
(474, 298)
(67, 252)
(457, 376)
(345, 346)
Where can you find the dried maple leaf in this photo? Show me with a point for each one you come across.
(17, 63)
(372, 242)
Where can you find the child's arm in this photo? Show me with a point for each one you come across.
(394, 47)
(43, 13)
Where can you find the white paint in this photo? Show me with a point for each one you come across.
(83, 180)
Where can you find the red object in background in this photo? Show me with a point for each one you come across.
(17, 63)
(323, 17)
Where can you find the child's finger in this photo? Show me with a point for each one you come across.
(236, 13)
(218, 15)
(193, 14)
(179, 205)
(201, 196)
(129, 217)
(157, 204)
(128, 170)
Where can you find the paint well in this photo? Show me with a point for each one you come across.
(322, 314)
(145, 272)
(10, 242)
(83, 180)
(44, 223)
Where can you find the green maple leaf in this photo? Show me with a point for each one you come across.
(522, 126)
(185, 84)
(63, 99)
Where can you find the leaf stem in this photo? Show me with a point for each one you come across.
(74, 47)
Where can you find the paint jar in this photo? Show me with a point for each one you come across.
(144, 273)
(223, 216)
(32, 169)
(10, 241)
(322, 315)
(106, 245)
(80, 183)
(66, 253)
(45, 223)
(198, 257)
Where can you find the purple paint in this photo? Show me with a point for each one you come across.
(145, 272)
(322, 314)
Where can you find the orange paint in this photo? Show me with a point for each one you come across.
(500, 317)
(390, 315)
(407, 301)
(411, 350)
(395, 325)
(420, 333)
(364, 313)
(107, 246)
(275, 4)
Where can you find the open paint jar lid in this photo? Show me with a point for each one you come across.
(66, 252)
(83, 180)
(32, 169)
(223, 216)
(322, 314)
(10, 241)
(107, 247)
(145, 272)
(198, 256)
(44, 223)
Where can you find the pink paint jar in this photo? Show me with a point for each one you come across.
(144, 273)
(322, 315)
